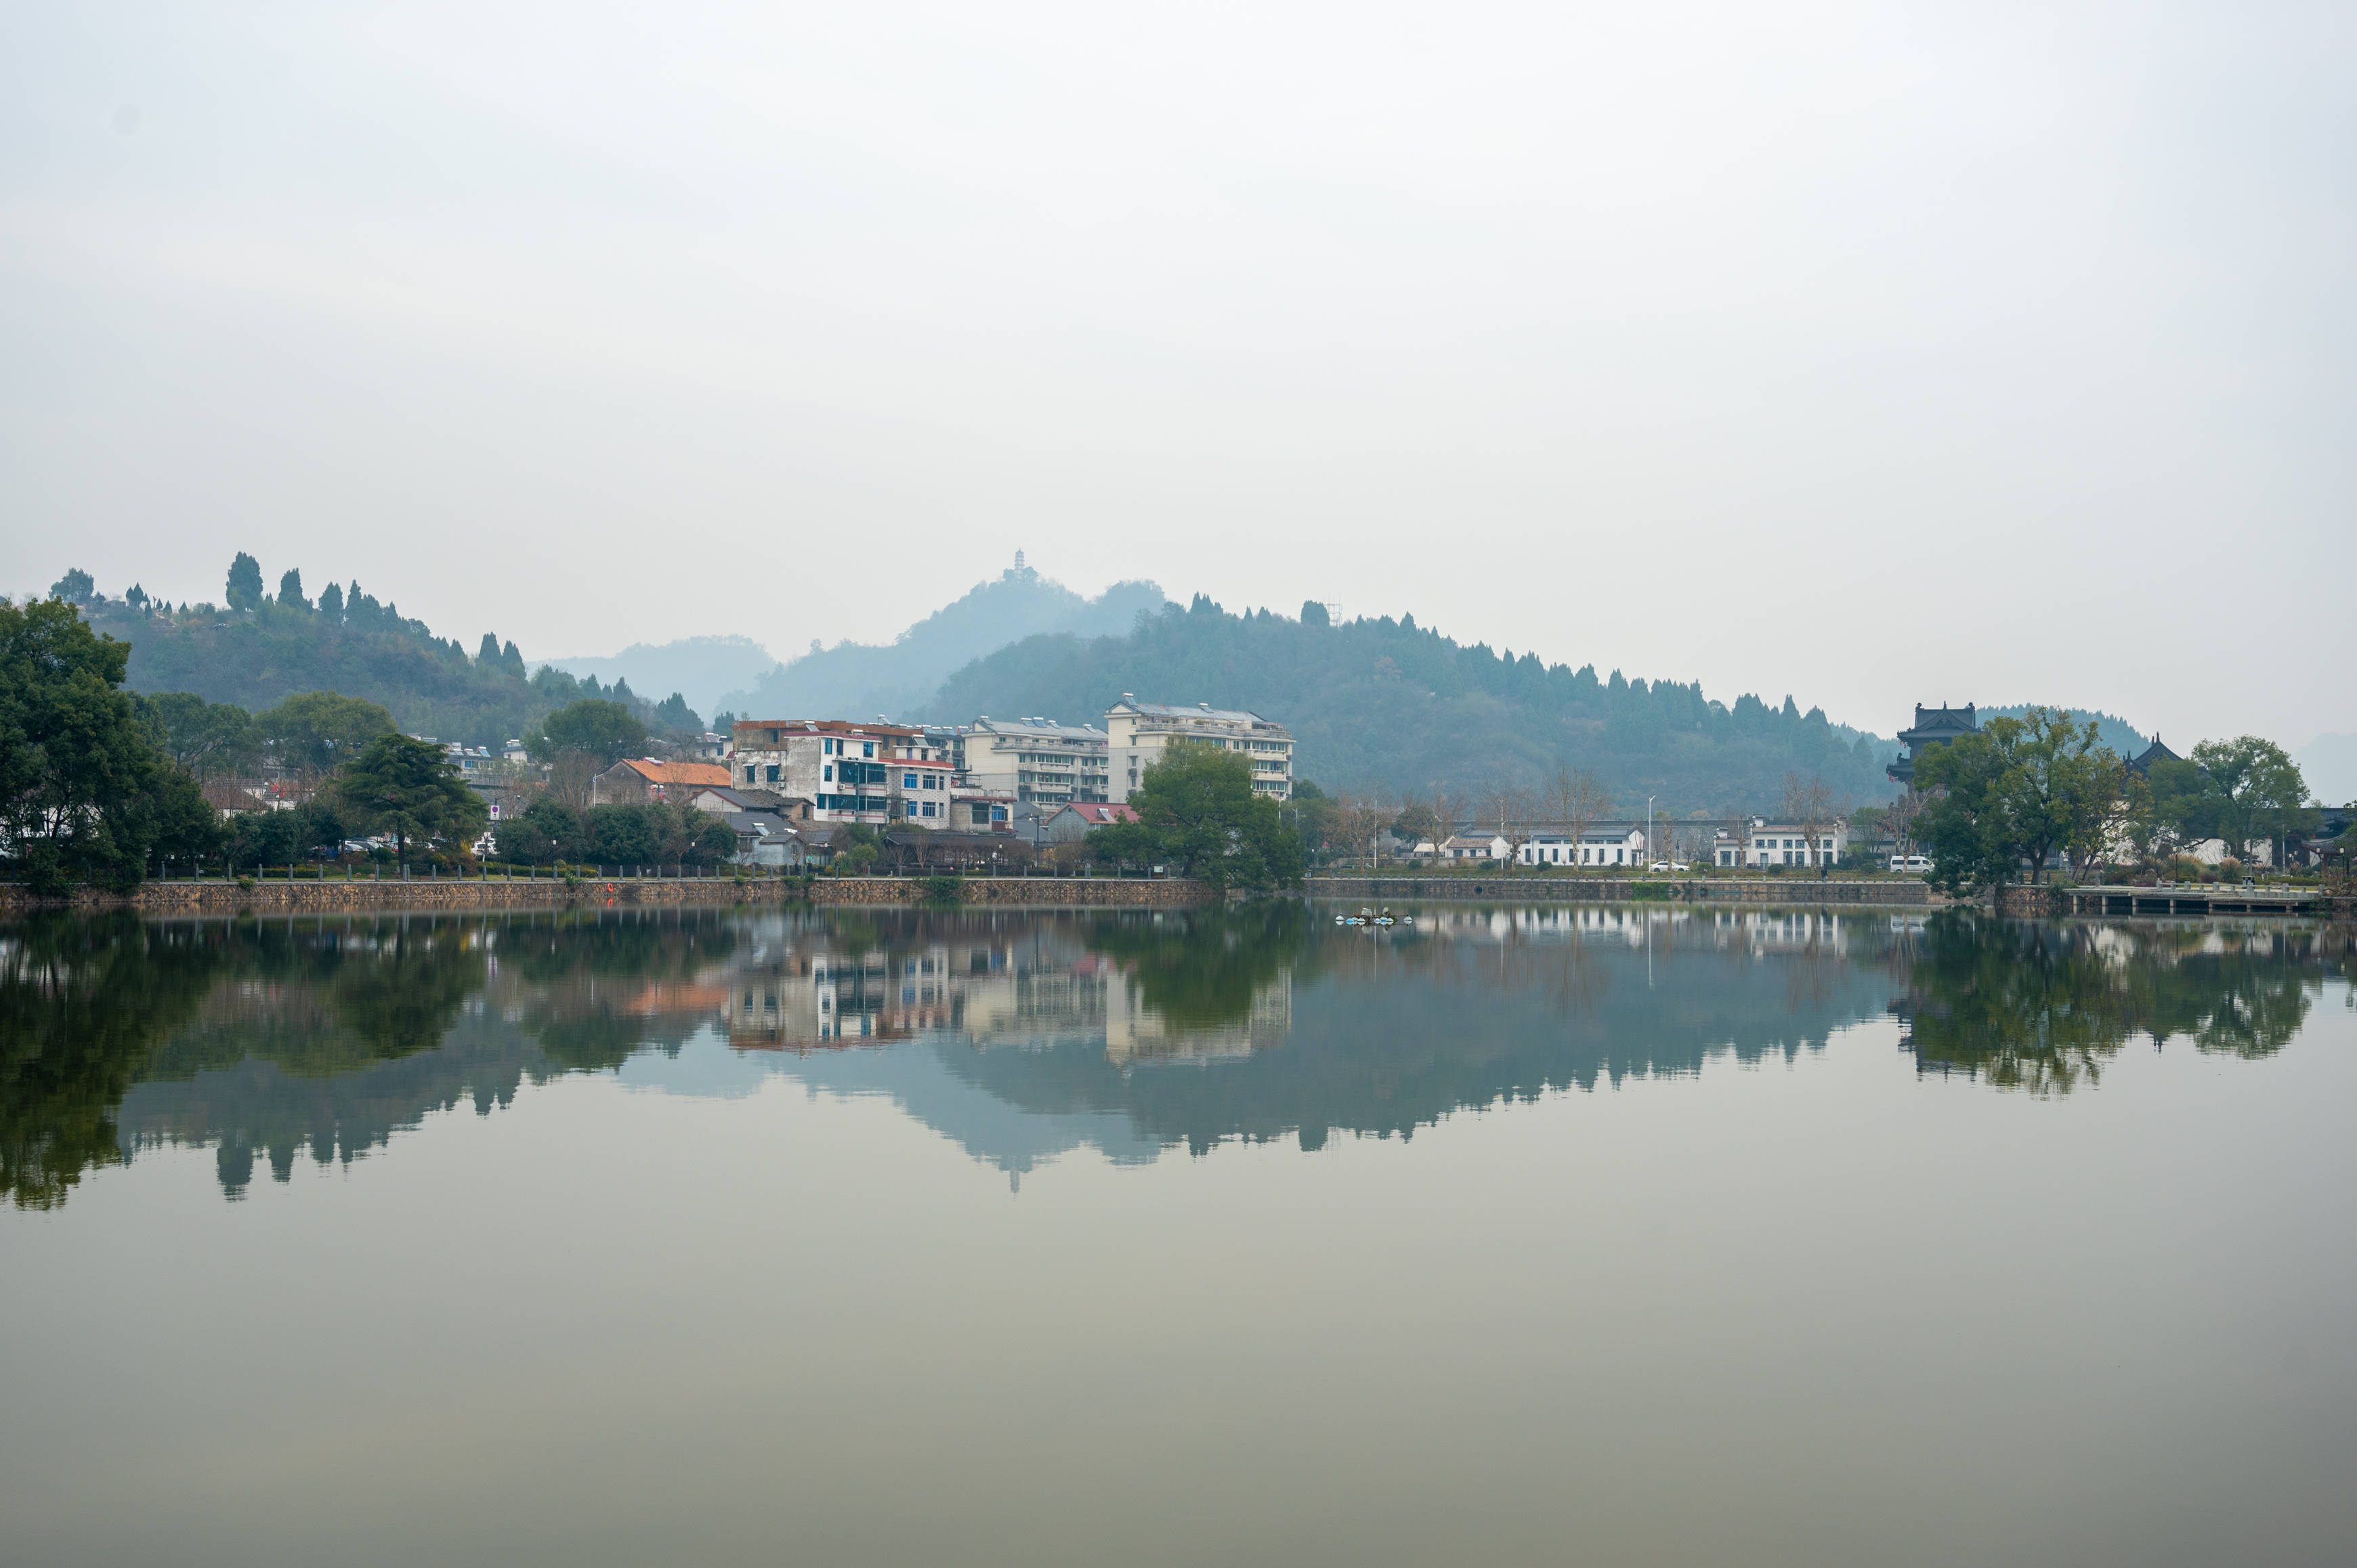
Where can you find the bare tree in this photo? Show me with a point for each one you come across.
(1509, 805)
(1812, 806)
(1900, 816)
(571, 779)
(1434, 818)
(1359, 821)
(1576, 799)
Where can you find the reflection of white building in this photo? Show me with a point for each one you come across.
(1032, 988)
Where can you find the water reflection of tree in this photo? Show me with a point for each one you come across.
(83, 1004)
(303, 1028)
(2044, 1007)
(589, 987)
(1203, 968)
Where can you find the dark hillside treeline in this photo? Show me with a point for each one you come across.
(263, 648)
(1390, 705)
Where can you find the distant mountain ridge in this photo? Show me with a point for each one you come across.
(702, 669)
(900, 679)
(1391, 706)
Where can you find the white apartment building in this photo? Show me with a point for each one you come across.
(1764, 843)
(884, 775)
(1137, 733)
(1030, 759)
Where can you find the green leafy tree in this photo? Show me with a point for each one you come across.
(75, 587)
(592, 727)
(2015, 791)
(2255, 789)
(315, 732)
(290, 590)
(674, 716)
(625, 835)
(1196, 810)
(410, 789)
(331, 602)
(78, 770)
(208, 739)
(546, 832)
(245, 582)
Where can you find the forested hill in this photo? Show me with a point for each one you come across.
(1390, 703)
(266, 648)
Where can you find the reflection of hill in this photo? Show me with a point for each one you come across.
(1397, 1032)
(1023, 1034)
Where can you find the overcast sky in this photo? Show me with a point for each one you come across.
(1875, 355)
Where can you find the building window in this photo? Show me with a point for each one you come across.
(748, 775)
(908, 780)
(867, 748)
(827, 773)
(772, 772)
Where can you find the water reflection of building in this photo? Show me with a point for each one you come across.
(1037, 987)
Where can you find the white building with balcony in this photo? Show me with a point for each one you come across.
(1138, 733)
(885, 775)
(1030, 759)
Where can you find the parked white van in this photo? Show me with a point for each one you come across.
(1919, 863)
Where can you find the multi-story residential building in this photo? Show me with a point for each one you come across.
(1762, 843)
(1137, 733)
(875, 773)
(1031, 759)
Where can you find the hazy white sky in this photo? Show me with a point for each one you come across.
(1874, 354)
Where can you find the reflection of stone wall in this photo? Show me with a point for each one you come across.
(336, 896)
(1015, 892)
(1542, 889)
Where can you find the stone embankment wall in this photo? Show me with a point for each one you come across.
(338, 897)
(1610, 890)
(2025, 902)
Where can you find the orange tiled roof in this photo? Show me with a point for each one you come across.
(689, 773)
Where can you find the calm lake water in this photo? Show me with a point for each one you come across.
(1516, 1236)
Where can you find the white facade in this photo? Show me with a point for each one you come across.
(1763, 843)
(1597, 848)
(1031, 759)
(885, 775)
(1136, 733)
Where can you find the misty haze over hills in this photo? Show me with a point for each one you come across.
(702, 669)
(857, 680)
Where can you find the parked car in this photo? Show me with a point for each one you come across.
(1670, 865)
(1918, 863)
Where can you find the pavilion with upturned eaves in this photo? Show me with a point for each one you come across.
(1934, 726)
